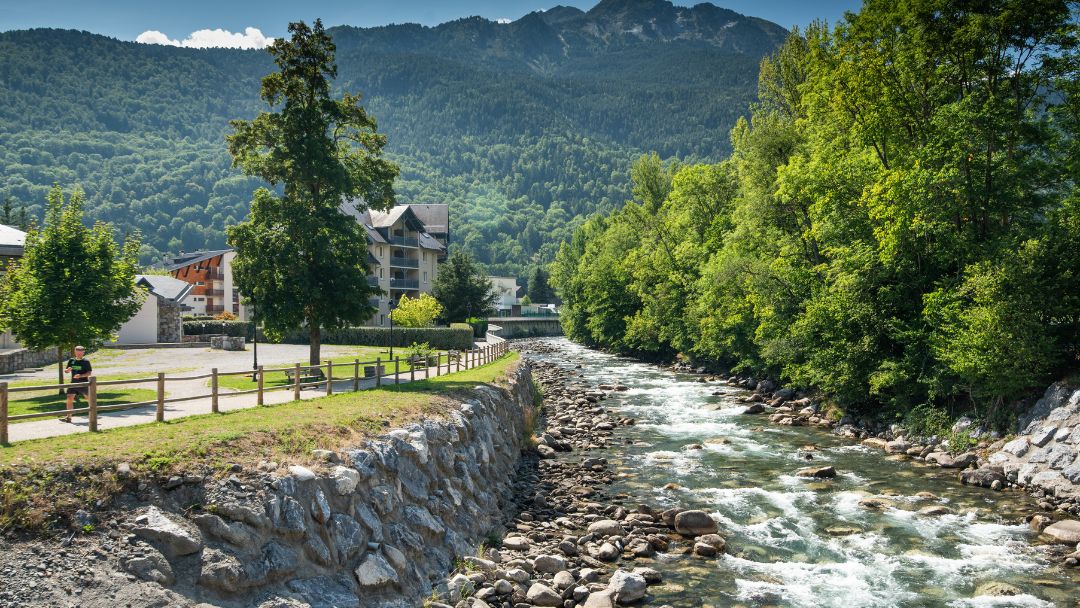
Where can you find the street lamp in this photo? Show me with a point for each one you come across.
(390, 313)
(254, 342)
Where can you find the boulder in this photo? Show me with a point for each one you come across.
(608, 552)
(174, 538)
(695, 523)
(817, 472)
(874, 442)
(995, 588)
(935, 510)
(754, 408)
(301, 473)
(602, 528)
(549, 564)
(375, 572)
(516, 543)
(345, 480)
(1066, 532)
(626, 587)
(599, 599)
(563, 580)
(542, 595)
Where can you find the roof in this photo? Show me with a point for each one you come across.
(435, 217)
(165, 286)
(12, 241)
(429, 242)
(187, 259)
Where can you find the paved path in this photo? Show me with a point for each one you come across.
(49, 427)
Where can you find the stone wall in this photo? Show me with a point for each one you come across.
(526, 327)
(170, 327)
(372, 526)
(23, 358)
(1046, 453)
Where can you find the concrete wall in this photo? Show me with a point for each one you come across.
(143, 327)
(526, 327)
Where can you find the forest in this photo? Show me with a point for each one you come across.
(898, 226)
(523, 128)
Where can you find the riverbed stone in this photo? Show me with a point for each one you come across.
(608, 552)
(935, 511)
(1066, 532)
(549, 564)
(827, 472)
(603, 528)
(174, 538)
(563, 580)
(695, 523)
(599, 599)
(997, 589)
(540, 594)
(516, 543)
(627, 587)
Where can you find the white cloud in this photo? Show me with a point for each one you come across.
(252, 38)
(503, 20)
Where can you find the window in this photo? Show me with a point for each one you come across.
(380, 273)
(197, 283)
(200, 299)
(425, 276)
(382, 319)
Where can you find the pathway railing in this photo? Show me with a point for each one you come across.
(454, 362)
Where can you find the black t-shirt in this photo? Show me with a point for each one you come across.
(78, 368)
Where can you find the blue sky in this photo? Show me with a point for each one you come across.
(177, 19)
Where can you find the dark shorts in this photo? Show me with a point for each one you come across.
(77, 390)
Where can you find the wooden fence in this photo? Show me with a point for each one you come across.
(462, 360)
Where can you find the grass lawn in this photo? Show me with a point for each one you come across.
(343, 367)
(289, 430)
(51, 401)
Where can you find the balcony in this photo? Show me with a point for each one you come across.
(215, 275)
(404, 284)
(401, 262)
(373, 281)
(373, 302)
(404, 241)
(214, 309)
(215, 292)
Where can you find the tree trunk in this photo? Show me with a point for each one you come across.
(314, 343)
(60, 367)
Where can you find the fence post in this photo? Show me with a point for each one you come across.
(214, 391)
(378, 372)
(457, 362)
(356, 375)
(438, 365)
(329, 377)
(412, 371)
(262, 378)
(3, 413)
(296, 383)
(397, 371)
(91, 402)
(161, 397)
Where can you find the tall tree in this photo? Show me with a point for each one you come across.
(73, 285)
(300, 259)
(540, 290)
(463, 289)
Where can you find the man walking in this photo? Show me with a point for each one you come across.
(81, 370)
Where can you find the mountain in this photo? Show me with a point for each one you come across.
(524, 127)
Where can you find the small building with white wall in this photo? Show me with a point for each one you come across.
(158, 321)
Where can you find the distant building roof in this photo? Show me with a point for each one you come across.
(187, 259)
(429, 242)
(435, 217)
(164, 286)
(12, 241)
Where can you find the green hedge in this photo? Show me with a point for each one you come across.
(211, 327)
(442, 338)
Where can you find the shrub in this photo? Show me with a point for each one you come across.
(206, 327)
(479, 326)
(442, 338)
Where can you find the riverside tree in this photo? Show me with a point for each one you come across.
(73, 285)
(897, 226)
(301, 260)
(463, 289)
(416, 312)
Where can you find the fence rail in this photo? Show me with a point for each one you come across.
(357, 370)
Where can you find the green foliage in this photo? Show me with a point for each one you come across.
(897, 226)
(539, 286)
(463, 289)
(421, 351)
(526, 300)
(300, 260)
(73, 285)
(443, 338)
(416, 312)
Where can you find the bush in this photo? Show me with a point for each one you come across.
(208, 327)
(479, 326)
(442, 338)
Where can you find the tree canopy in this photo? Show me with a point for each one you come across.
(416, 312)
(897, 224)
(463, 289)
(73, 284)
(300, 259)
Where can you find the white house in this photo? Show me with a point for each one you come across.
(159, 318)
(11, 248)
(507, 302)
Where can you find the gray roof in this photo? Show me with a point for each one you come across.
(164, 286)
(435, 217)
(186, 259)
(12, 241)
(429, 242)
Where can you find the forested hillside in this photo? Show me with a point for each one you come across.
(898, 225)
(524, 128)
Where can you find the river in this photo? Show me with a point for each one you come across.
(799, 542)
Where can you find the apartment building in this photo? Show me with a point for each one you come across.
(403, 254)
(210, 275)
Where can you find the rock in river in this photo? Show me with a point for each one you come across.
(818, 472)
(1066, 531)
(695, 523)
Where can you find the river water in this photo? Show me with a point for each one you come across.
(799, 542)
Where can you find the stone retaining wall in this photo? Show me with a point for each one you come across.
(23, 358)
(373, 526)
(1046, 454)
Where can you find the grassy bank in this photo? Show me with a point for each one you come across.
(343, 367)
(37, 482)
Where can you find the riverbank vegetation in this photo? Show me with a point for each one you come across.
(898, 225)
